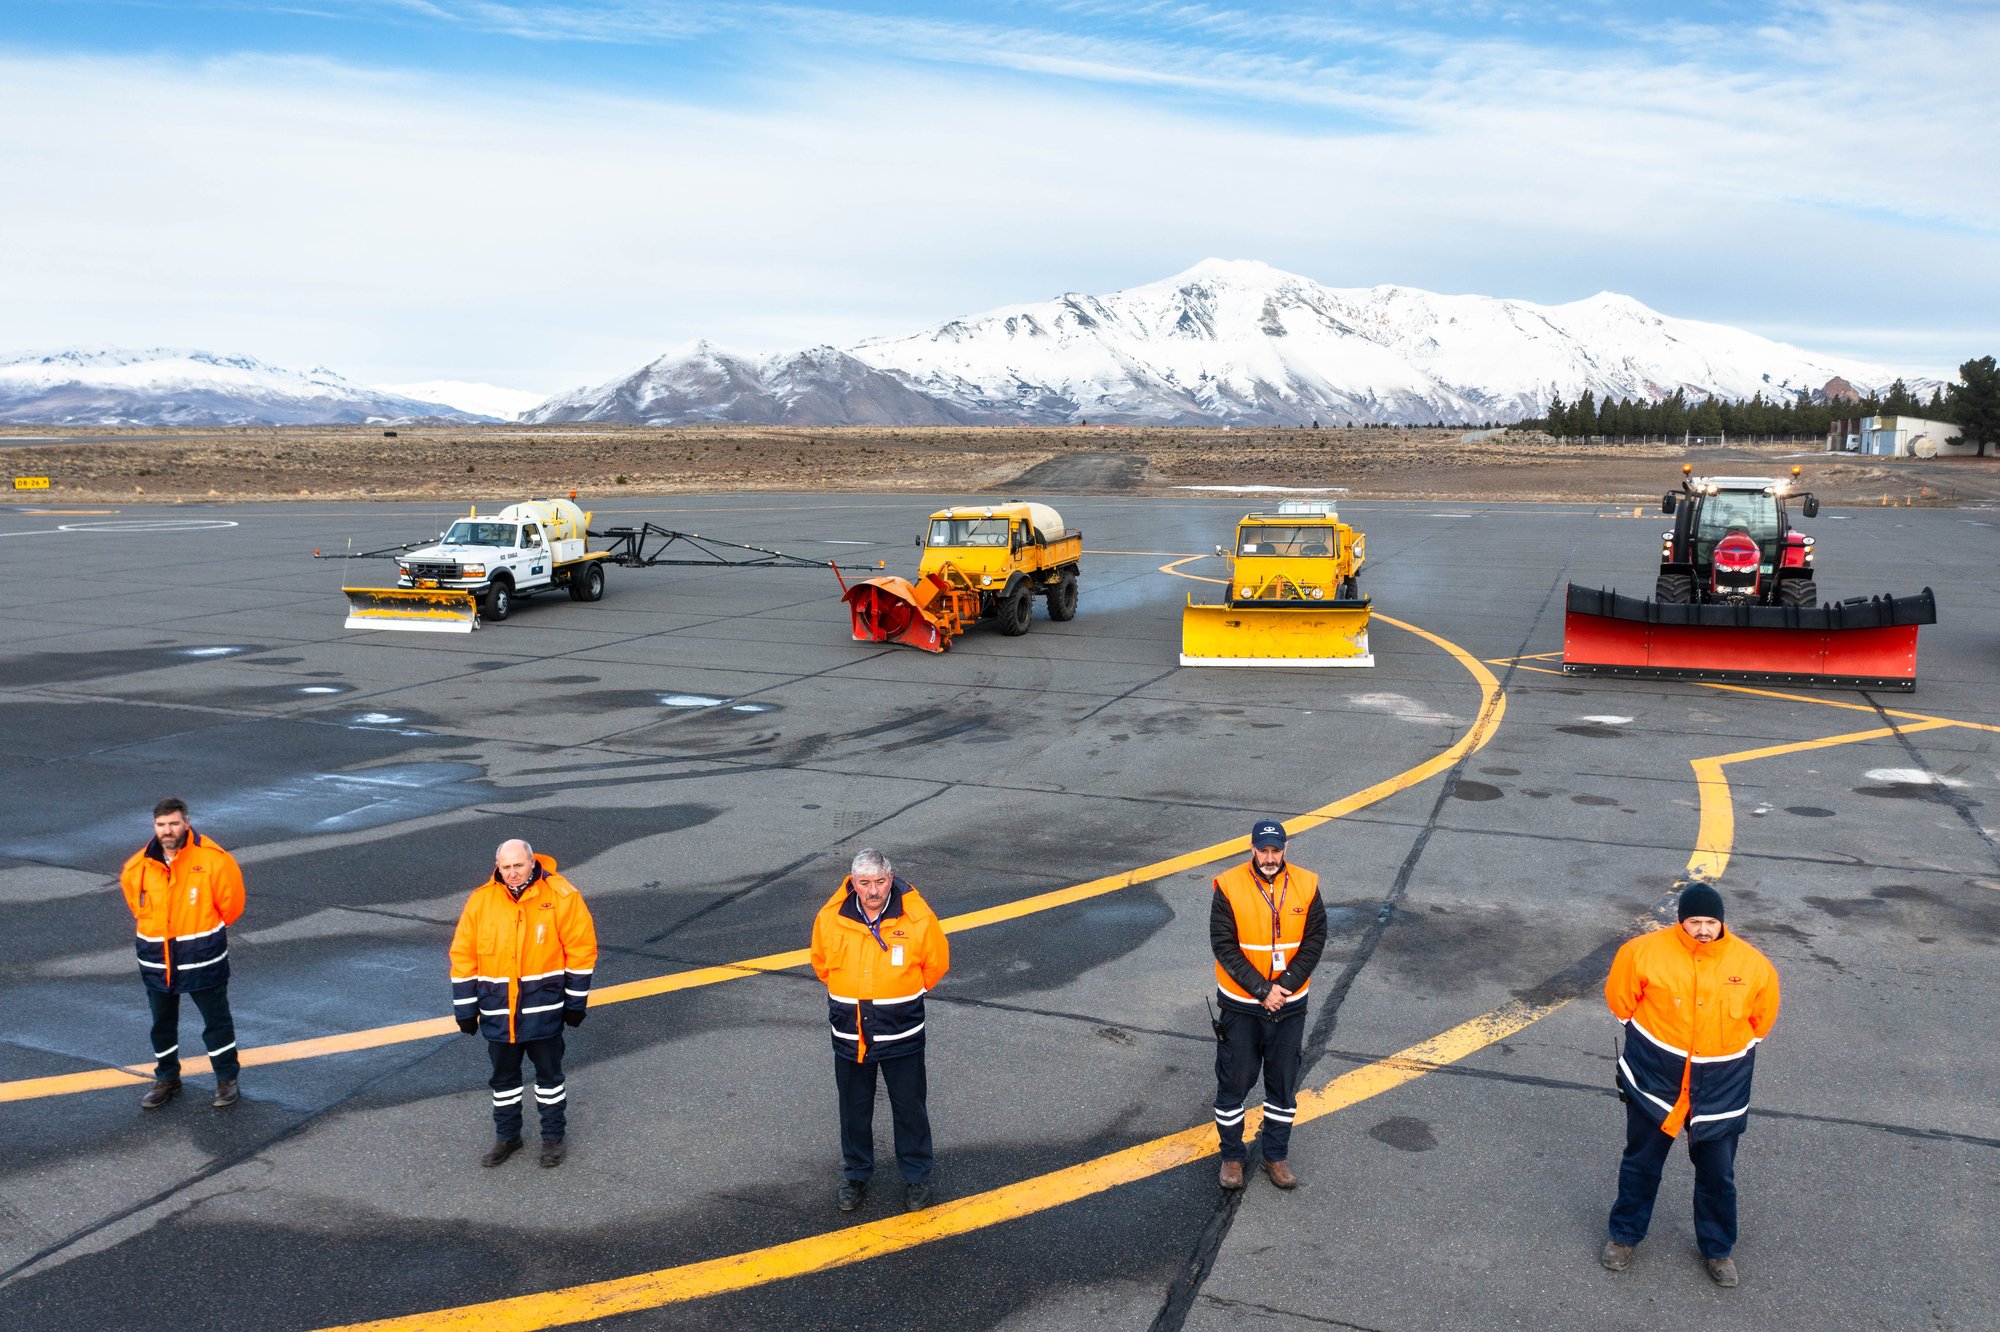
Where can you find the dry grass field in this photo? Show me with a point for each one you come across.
(494, 463)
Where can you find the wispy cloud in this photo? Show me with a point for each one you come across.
(774, 175)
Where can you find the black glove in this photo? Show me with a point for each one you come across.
(573, 1017)
(470, 1026)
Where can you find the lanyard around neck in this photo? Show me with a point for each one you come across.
(1277, 907)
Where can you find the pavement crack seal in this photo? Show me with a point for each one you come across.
(212, 1169)
(1959, 804)
(1493, 707)
(874, 1239)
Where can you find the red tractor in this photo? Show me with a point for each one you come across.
(1733, 544)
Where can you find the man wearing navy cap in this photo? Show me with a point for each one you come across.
(1267, 929)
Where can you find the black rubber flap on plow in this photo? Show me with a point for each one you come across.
(1881, 612)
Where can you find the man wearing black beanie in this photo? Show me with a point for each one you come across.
(1695, 1000)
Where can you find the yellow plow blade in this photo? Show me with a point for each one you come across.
(1316, 634)
(415, 609)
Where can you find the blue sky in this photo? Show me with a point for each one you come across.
(541, 195)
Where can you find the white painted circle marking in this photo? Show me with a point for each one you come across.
(150, 525)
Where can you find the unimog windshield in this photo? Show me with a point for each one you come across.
(968, 532)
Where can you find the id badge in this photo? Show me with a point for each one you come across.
(1277, 961)
(896, 956)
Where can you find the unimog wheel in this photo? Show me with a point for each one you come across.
(1016, 611)
(1062, 598)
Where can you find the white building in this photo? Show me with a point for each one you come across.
(1897, 437)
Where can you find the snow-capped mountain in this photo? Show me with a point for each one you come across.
(1239, 342)
(163, 387)
(702, 382)
(502, 404)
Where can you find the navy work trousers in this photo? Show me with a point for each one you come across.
(1646, 1151)
(218, 1032)
(1251, 1044)
(550, 1094)
(908, 1094)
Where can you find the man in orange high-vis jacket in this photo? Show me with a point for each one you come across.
(879, 949)
(185, 892)
(521, 964)
(1695, 1000)
(1267, 929)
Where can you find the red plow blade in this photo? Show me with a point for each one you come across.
(1861, 644)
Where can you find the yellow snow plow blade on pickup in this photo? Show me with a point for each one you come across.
(429, 610)
(1293, 597)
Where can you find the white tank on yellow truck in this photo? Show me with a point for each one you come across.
(980, 561)
(485, 563)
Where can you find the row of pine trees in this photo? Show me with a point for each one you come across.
(1786, 417)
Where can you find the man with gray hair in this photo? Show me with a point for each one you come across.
(521, 963)
(879, 949)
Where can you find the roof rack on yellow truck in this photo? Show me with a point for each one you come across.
(980, 561)
(1293, 596)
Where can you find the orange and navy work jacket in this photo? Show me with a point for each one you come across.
(183, 912)
(1264, 934)
(518, 962)
(877, 972)
(1693, 1014)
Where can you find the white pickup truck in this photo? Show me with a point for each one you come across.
(525, 548)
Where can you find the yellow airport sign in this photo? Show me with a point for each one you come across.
(31, 483)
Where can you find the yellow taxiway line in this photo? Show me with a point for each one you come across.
(873, 1239)
(1493, 706)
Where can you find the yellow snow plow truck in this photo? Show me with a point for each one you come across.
(1293, 597)
(980, 562)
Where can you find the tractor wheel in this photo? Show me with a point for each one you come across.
(499, 602)
(1016, 611)
(588, 583)
(1677, 589)
(1798, 592)
(1062, 598)
(1350, 589)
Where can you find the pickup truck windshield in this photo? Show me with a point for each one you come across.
(466, 532)
(1307, 541)
(968, 532)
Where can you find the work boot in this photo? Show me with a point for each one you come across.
(918, 1196)
(501, 1149)
(162, 1091)
(1615, 1256)
(553, 1152)
(225, 1093)
(852, 1191)
(1722, 1271)
(1281, 1174)
(1230, 1176)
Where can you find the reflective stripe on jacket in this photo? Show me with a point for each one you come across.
(517, 963)
(183, 912)
(1276, 932)
(876, 978)
(1693, 1014)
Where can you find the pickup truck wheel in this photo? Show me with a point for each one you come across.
(1016, 611)
(1062, 598)
(587, 584)
(500, 599)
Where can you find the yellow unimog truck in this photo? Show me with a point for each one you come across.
(1293, 596)
(980, 561)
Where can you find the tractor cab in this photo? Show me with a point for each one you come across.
(1733, 541)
